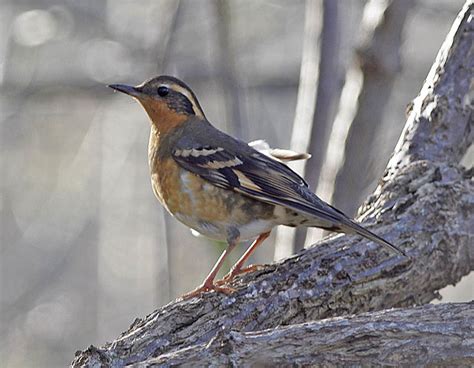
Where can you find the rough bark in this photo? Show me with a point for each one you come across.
(424, 204)
(330, 279)
(428, 335)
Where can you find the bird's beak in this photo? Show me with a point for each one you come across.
(129, 90)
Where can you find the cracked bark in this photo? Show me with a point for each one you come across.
(424, 204)
(395, 337)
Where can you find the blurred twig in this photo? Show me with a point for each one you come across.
(225, 61)
(305, 106)
(164, 261)
(346, 171)
(328, 91)
(163, 54)
(317, 89)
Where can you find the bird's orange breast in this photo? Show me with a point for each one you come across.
(210, 210)
(187, 194)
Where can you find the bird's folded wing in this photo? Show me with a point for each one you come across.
(255, 175)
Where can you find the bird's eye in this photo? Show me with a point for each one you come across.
(163, 91)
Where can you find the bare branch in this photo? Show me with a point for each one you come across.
(328, 91)
(346, 171)
(225, 60)
(332, 279)
(428, 335)
(305, 108)
(440, 126)
(426, 208)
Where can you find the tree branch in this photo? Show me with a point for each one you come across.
(330, 279)
(440, 122)
(424, 204)
(428, 335)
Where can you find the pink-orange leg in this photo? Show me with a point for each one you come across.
(237, 268)
(208, 283)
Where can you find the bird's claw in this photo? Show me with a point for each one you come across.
(234, 272)
(205, 288)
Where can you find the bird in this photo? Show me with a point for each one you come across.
(222, 187)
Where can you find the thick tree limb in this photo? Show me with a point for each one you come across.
(424, 204)
(331, 279)
(440, 122)
(428, 335)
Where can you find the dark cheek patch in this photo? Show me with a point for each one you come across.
(180, 104)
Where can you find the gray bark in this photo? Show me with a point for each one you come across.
(424, 204)
(429, 335)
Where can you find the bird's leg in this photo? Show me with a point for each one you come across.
(237, 268)
(208, 283)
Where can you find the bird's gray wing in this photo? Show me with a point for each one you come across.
(253, 174)
(247, 171)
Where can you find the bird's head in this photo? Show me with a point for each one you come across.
(166, 99)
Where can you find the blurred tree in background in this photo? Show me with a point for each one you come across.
(78, 219)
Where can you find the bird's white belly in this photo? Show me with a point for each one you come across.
(255, 228)
(220, 230)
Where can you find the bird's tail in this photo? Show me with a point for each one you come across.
(349, 226)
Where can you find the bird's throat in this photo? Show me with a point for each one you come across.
(162, 118)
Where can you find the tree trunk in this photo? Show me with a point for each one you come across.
(424, 204)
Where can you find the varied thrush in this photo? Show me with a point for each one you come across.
(220, 186)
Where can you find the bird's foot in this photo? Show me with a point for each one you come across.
(205, 288)
(235, 271)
